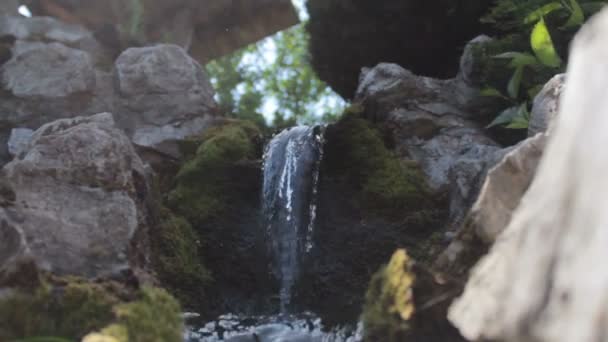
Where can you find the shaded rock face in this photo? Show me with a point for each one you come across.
(55, 70)
(432, 122)
(78, 193)
(425, 37)
(541, 280)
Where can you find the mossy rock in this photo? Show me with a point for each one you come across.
(386, 184)
(177, 257)
(407, 302)
(70, 308)
(202, 187)
(389, 302)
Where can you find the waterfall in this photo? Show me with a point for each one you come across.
(291, 173)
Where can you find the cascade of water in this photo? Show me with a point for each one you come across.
(291, 173)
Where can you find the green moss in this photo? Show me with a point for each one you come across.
(69, 308)
(176, 247)
(202, 184)
(385, 183)
(389, 302)
(155, 317)
(68, 311)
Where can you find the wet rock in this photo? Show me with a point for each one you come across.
(470, 63)
(546, 105)
(542, 279)
(79, 190)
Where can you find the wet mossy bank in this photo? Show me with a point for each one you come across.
(211, 250)
(370, 204)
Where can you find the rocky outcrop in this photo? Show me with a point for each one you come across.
(349, 35)
(74, 200)
(159, 94)
(432, 122)
(541, 280)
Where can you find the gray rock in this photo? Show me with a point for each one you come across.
(504, 187)
(431, 122)
(47, 29)
(19, 140)
(48, 71)
(9, 6)
(544, 279)
(78, 190)
(155, 81)
(469, 66)
(546, 105)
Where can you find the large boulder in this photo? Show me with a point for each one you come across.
(546, 105)
(543, 279)
(162, 95)
(425, 37)
(74, 200)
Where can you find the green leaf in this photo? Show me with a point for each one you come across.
(505, 117)
(490, 92)
(577, 16)
(515, 82)
(518, 59)
(541, 12)
(542, 45)
(521, 119)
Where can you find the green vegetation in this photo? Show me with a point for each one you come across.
(178, 259)
(66, 309)
(386, 184)
(203, 184)
(389, 302)
(533, 48)
(277, 70)
(154, 317)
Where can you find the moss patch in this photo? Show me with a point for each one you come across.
(385, 184)
(202, 186)
(178, 259)
(389, 302)
(70, 308)
(154, 317)
(407, 302)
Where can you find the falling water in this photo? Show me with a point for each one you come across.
(291, 174)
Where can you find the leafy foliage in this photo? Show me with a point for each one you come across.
(273, 76)
(548, 27)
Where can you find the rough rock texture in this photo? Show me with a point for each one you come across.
(543, 280)
(163, 95)
(432, 122)
(349, 35)
(546, 105)
(504, 186)
(76, 199)
(55, 70)
(207, 29)
(19, 140)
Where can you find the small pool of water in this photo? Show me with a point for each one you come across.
(281, 328)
